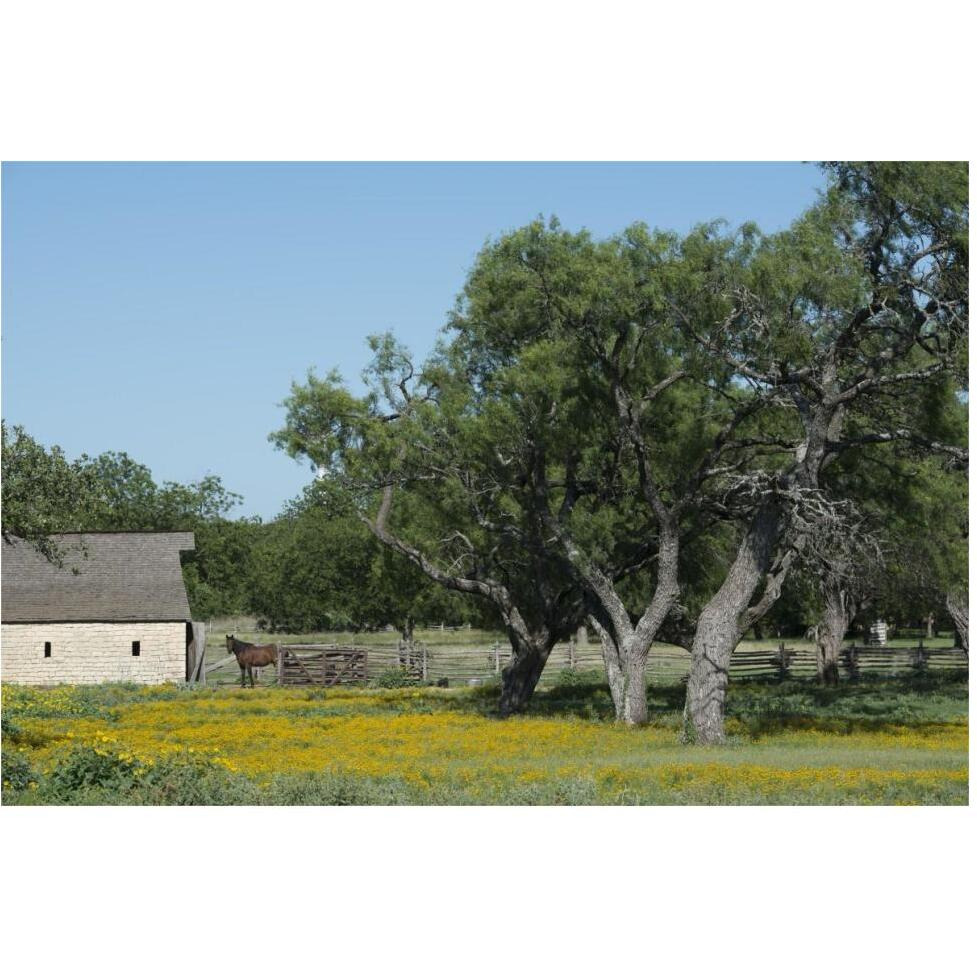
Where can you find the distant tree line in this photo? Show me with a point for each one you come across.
(315, 567)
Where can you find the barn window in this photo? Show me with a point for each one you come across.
(135, 649)
(47, 649)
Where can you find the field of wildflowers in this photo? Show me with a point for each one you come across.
(884, 742)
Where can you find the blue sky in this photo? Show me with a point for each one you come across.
(165, 309)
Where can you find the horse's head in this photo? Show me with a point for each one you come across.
(229, 642)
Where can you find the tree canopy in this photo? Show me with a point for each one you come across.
(601, 413)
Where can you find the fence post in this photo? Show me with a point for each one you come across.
(198, 671)
(919, 659)
(570, 657)
(495, 649)
(281, 664)
(852, 661)
(784, 661)
(423, 662)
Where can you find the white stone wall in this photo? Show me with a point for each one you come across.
(85, 654)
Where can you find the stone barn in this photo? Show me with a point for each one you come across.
(115, 611)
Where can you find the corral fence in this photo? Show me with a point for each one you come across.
(338, 664)
(855, 660)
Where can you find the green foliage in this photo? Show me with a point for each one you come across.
(43, 493)
(572, 678)
(514, 418)
(16, 773)
(86, 767)
(219, 573)
(318, 568)
(8, 727)
(394, 678)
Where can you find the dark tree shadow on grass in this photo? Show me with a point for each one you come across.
(767, 706)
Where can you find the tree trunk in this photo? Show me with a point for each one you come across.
(705, 696)
(626, 670)
(626, 667)
(624, 645)
(636, 692)
(612, 667)
(406, 643)
(720, 627)
(956, 604)
(583, 638)
(626, 679)
(408, 631)
(829, 633)
(930, 621)
(521, 676)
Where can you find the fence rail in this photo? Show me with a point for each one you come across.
(785, 662)
(336, 664)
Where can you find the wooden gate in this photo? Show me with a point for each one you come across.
(325, 665)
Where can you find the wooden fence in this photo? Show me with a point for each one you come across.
(665, 663)
(321, 664)
(855, 660)
(334, 664)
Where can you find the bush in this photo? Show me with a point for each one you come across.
(92, 776)
(88, 776)
(394, 678)
(8, 727)
(86, 767)
(570, 677)
(16, 772)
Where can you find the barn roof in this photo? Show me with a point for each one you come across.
(120, 577)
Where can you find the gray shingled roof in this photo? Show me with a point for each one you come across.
(121, 577)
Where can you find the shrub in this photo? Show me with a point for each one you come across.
(86, 767)
(570, 677)
(8, 727)
(93, 776)
(394, 678)
(16, 772)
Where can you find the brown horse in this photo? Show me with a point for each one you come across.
(251, 656)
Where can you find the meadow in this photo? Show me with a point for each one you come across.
(900, 740)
